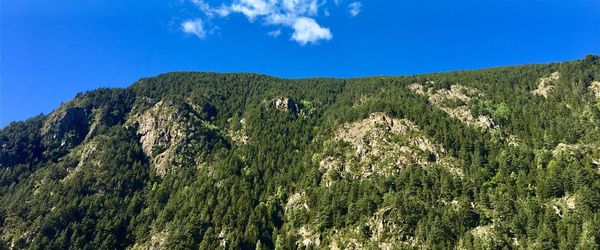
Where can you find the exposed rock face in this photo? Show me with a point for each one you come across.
(572, 149)
(513, 140)
(595, 88)
(224, 237)
(597, 163)
(87, 155)
(157, 241)
(286, 104)
(380, 145)
(462, 95)
(455, 103)
(158, 127)
(240, 136)
(546, 85)
(383, 230)
(175, 135)
(563, 204)
(456, 92)
(346, 242)
(24, 234)
(159, 132)
(63, 120)
(282, 104)
(308, 237)
(65, 128)
(417, 88)
(485, 235)
(296, 202)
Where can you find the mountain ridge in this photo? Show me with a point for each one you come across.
(465, 159)
(305, 78)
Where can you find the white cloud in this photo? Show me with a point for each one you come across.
(194, 27)
(307, 30)
(354, 8)
(298, 15)
(280, 19)
(209, 11)
(253, 8)
(301, 7)
(275, 33)
(204, 7)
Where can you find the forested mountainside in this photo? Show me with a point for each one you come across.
(497, 158)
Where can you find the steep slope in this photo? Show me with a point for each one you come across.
(497, 158)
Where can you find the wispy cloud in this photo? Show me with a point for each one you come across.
(194, 27)
(354, 8)
(275, 33)
(298, 15)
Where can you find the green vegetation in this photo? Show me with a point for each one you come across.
(204, 160)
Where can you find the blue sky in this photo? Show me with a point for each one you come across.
(52, 49)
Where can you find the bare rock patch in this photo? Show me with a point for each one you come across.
(546, 84)
(595, 88)
(454, 102)
(381, 145)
